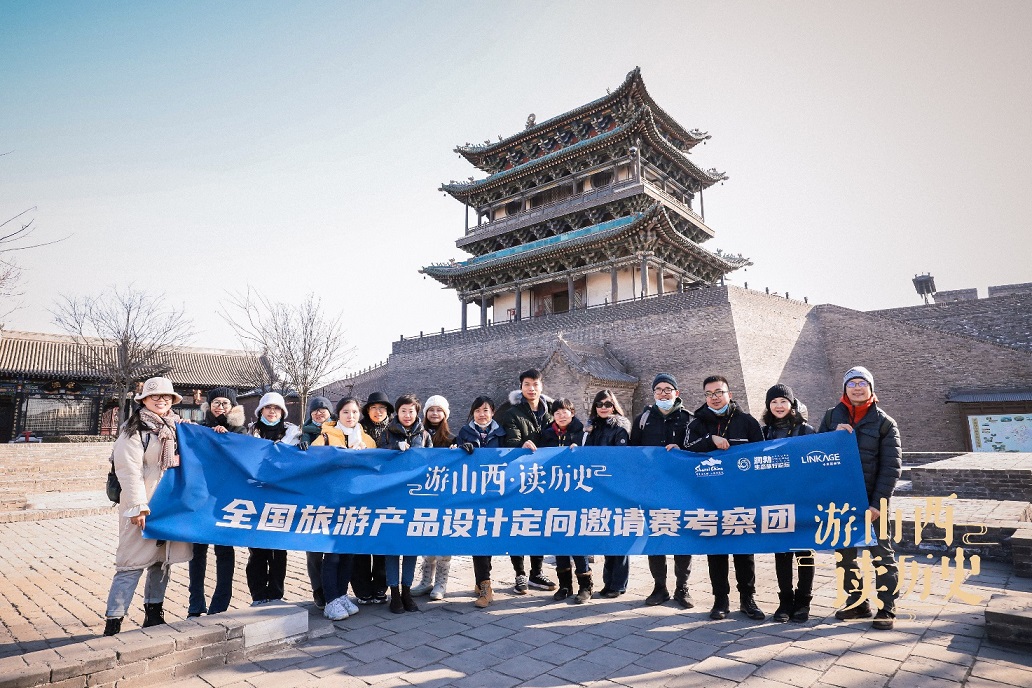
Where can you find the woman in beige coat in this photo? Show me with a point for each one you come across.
(145, 448)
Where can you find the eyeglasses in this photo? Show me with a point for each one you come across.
(664, 390)
(163, 397)
(856, 383)
(604, 404)
(717, 394)
(221, 403)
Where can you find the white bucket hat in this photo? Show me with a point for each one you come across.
(158, 385)
(271, 399)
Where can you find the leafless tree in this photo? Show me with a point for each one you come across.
(304, 346)
(123, 335)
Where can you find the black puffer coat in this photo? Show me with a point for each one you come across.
(416, 435)
(611, 432)
(787, 428)
(881, 454)
(520, 423)
(661, 429)
(737, 427)
(574, 434)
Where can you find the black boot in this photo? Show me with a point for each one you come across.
(113, 626)
(153, 615)
(784, 610)
(721, 607)
(406, 599)
(750, 609)
(584, 590)
(801, 609)
(565, 584)
(397, 606)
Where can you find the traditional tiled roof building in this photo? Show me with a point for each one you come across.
(47, 389)
(594, 206)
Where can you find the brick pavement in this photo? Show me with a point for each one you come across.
(54, 576)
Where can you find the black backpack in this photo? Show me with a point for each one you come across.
(113, 487)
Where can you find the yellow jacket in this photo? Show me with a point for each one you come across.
(332, 436)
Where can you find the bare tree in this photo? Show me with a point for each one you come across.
(302, 344)
(14, 238)
(123, 335)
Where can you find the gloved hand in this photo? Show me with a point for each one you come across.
(403, 445)
(303, 446)
(468, 447)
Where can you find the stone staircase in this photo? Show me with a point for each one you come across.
(31, 474)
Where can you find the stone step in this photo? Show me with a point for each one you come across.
(162, 654)
(1008, 620)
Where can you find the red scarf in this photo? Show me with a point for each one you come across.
(857, 413)
(560, 433)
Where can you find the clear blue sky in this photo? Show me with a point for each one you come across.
(194, 148)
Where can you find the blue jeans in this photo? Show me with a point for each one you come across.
(123, 587)
(408, 569)
(336, 575)
(616, 572)
(580, 564)
(225, 562)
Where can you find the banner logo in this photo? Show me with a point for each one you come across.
(822, 458)
(709, 468)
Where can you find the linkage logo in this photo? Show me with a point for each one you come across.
(709, 468)
(823, 458)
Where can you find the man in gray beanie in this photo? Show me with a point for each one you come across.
(881, 457)
(663, 424)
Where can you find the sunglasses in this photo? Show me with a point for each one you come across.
(604, 404)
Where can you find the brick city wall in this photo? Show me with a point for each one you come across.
(977, 476)
(914, 368)
(690, 335)
(1005, 319)
(779, 342)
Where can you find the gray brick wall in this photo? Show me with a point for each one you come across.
(914, 368)
(1004, 319)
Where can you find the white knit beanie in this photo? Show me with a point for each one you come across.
(440, 402)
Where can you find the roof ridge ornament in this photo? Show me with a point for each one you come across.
(531, 121)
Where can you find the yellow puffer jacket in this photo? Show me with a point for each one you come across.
(332, 436)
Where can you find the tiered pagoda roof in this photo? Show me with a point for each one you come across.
(607, 186)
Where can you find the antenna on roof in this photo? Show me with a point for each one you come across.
(925, 286)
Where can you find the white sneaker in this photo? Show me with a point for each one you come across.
(349, 606)
(438, 591)
(335, 611)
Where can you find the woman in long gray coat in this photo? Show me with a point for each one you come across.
(146, 447)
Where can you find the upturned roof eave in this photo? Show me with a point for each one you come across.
(474, 153)
(486, 263)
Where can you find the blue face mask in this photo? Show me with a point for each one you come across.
(723, 410)
(664, 404)
(267, 421)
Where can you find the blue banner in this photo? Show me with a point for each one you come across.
(763, 497)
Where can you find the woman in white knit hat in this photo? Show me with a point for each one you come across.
(434, 576)
(267, 568)
(146, 447)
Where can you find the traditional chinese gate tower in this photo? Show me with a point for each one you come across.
(588, 208)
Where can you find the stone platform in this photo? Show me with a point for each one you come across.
(977, 475)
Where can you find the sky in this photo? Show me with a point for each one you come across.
(196, 149)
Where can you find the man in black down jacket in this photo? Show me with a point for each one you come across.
(718, 424)
(664, 424)
(523, 416)
(881, 456)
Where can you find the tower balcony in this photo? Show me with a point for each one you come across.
(617, 190)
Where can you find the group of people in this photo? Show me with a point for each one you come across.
(147, 446)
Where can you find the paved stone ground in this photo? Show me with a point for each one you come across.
(54, 576)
